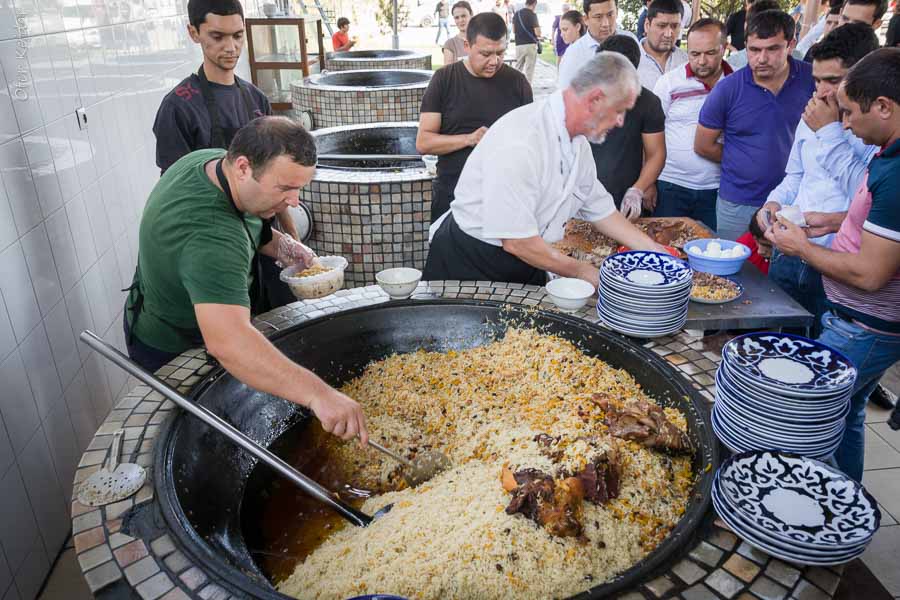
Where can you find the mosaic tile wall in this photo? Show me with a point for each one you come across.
(332, 106)
(375, 226)
(415, 61)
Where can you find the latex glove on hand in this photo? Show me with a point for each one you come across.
(631, 203)
(291, 252)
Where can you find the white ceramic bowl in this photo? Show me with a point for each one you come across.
(569, 293)
(400, 282)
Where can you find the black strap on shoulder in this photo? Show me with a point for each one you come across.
(256, 294)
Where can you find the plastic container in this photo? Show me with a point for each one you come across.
(568, 293)
(316, 286)
(400, 282)
(716, 266)
(431, 162)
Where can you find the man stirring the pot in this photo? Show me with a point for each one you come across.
(532, 171)
(200, 233)
(206, 109)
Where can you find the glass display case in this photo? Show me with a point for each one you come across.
(283, 50)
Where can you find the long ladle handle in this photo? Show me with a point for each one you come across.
(115, 450)
(299, 479)
(403, 461)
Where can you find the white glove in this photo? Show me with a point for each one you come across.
(631, 203)
(291, 252)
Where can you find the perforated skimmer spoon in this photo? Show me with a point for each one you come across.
(422, 468)
(303, 482)
(114, 481)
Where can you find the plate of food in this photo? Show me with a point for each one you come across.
(714, 289)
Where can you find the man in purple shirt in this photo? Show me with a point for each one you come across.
(757, 109)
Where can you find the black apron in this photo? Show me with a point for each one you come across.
(456, 255)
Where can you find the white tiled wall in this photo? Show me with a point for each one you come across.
(70, 205)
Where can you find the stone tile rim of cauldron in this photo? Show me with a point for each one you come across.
(313, 81)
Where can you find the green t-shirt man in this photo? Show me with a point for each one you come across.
(194, 250)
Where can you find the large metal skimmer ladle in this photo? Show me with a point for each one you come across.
(422, 468)
(115, 480)
(303, 482)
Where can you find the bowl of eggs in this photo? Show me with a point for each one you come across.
(716, 256)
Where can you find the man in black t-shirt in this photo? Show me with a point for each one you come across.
(631, 158)
(463, 100)
(528, 33)
(206, 109)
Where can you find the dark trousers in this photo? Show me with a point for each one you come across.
(146, 356)
(442, 188)
(277, 292)
(454, 254)
(677, 201)
(802, 283)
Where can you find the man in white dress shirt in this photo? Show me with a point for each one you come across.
(533, 171)
(601, 17)
(826, 165)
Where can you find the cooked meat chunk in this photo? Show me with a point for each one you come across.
(600, 480)
(644, 423)
(551, 504)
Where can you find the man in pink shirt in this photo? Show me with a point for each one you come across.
(861, 270)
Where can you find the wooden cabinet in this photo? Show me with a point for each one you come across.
(283, 50)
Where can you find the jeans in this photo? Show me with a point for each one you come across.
(676, 201)
(873, 354)
(442, 23)
(733, 220)
(146, 356)
(802, 283)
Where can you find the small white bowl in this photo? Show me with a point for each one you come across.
(400, 282)
(569, 293)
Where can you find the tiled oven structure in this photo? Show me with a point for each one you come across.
(409, 60)
(336, 105)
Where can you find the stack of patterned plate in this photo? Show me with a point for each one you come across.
(644, 294)
(781, 391)
(794, 508)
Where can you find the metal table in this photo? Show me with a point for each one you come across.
(763, 304)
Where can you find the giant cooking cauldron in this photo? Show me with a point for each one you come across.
(209, 490)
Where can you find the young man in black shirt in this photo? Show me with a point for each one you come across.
(207, 108)
(463, 100)
(527, 30)
(631, 158)
(735, 27)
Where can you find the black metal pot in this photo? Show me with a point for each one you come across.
(377, 78)
(374, 54)
(202, 480)
(369, 139)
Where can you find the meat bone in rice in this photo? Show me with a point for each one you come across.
(644, 423)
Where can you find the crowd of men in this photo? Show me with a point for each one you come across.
(636, 127)
(731, 143)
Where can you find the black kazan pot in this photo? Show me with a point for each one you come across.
(211, 492)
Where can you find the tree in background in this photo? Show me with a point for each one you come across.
(384, 16)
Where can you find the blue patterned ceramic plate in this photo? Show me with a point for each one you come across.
(647, 269)
(789, 363)
(798, 500)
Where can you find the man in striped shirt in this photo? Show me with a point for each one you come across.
(861, 271)
(689, 183)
